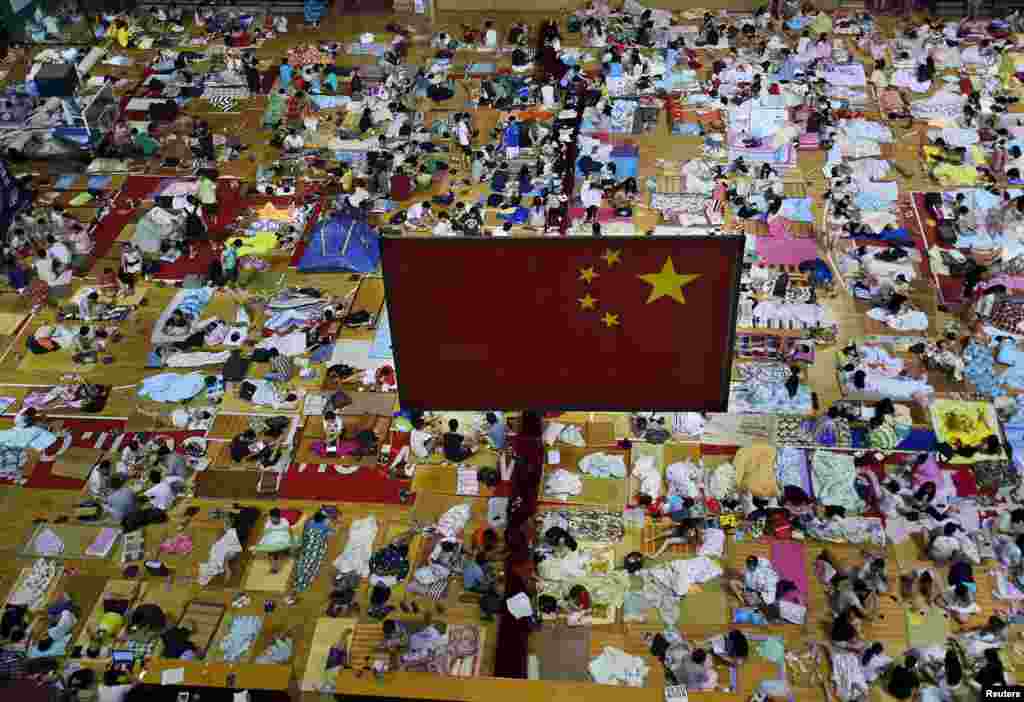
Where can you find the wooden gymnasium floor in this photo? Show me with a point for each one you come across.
(17, 373)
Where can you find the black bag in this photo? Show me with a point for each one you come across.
(276, 426)
(247, 391)
(657, 435)
(142, 517)
(235, 368)
(357, 318)
(194, 227)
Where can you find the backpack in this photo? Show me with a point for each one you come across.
(657, 435)
(235, 368)
(357, 318)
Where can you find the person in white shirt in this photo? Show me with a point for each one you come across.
(420, 446)
(490, 35)
(547, 92)
(54, 274)
(294, 142)
(591, 196)
(443, 226)
(462, 133)
(757, 588)
(164, 490)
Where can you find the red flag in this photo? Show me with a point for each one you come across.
(614, 324)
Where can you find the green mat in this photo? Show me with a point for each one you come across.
(929, 630)
(707, 608)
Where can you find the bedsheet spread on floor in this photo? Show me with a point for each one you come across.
(832, 475)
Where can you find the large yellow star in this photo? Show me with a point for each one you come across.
(588, 274)
(587, 302)
(611, 257)
(668, 283)
(610, 320)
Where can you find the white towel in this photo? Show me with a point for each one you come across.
(356, 556)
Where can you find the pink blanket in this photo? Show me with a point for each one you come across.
(789, 558)
(782, 251)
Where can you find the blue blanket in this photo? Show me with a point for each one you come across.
(172, 387)
(35, 438)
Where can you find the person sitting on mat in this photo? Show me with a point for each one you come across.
(455, 444)
(758, 584)
(420, 446)
(334, 431)
(477, 575)
(121, 503)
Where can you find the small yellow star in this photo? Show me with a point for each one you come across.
(588, 274)
(611, 257)
(587, 302)
(610, 320)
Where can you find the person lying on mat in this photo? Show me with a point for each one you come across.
(456, 447)
(731, 648)
(684, 664)
(683, 531)
(247, 447)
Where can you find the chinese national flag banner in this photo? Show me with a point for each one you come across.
(614, 324)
